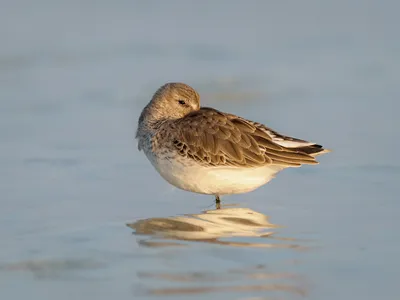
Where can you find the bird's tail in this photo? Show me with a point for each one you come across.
(313, 150)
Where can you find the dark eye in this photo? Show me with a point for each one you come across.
(182, 102)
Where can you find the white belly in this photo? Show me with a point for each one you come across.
(213, 180)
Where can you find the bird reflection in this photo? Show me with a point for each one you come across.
(212, 226)
(226, 226)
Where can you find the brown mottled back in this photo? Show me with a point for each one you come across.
(213, 138)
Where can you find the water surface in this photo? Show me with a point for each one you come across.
(74, 77)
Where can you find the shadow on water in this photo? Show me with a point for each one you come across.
(228, 227)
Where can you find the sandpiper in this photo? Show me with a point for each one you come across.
(203, 150)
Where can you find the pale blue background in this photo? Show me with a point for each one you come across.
(74, 76)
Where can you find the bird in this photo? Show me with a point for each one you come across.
(207, 151)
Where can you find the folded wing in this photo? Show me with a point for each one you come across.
(214, 138)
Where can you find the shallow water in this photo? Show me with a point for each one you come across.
(74, 77)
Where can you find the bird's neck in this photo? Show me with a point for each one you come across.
(153, 114)
(150, 120)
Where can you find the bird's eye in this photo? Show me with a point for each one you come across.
(182, 102)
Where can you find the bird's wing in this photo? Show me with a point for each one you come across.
(310, 148)
(213, 138)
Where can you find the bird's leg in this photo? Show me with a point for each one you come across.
(217, 202)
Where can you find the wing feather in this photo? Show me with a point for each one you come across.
(214, 138)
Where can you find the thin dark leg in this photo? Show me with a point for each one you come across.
(217, 202)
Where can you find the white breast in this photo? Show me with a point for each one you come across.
(190, 176)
